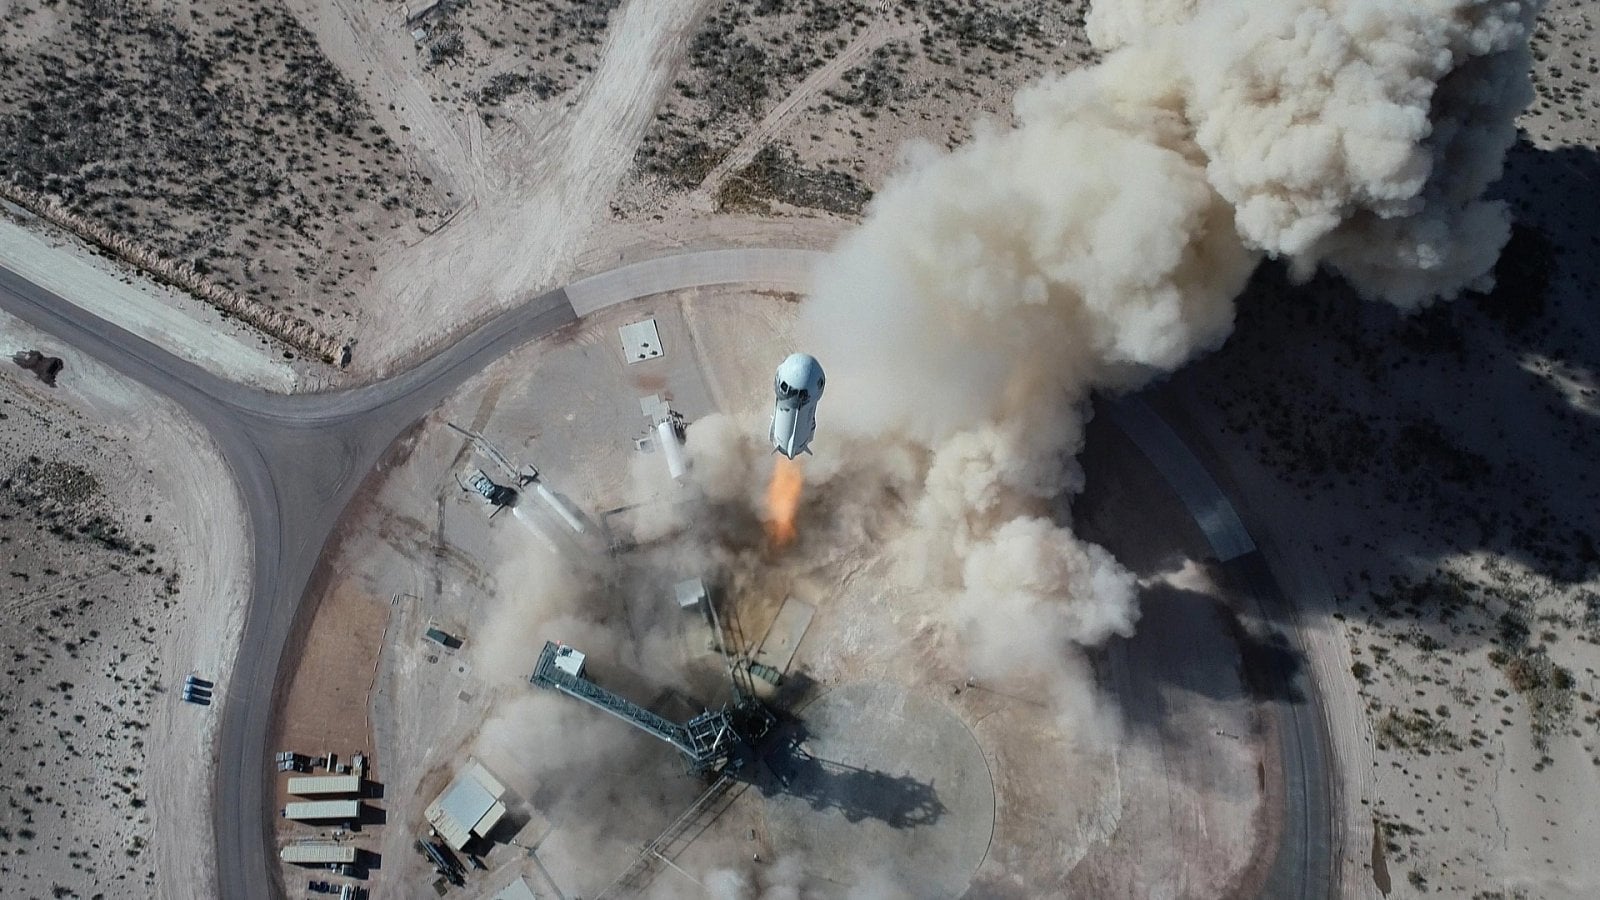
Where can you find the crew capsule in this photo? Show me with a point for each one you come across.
(798, 386)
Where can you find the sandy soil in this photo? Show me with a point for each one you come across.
(274, 178)
(801, 110)
(1420, 487)
(121, 583)
(529, 176)
(326, 706)
(477, 153)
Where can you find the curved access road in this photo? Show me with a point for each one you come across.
(292, 505)
(1303, 868)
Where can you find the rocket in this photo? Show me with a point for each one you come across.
(798, 386)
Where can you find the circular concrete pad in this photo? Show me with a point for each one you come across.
(883, 787)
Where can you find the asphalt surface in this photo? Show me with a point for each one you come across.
(1179, 468)
(298, 460)
(270, 440)
(1303, 866)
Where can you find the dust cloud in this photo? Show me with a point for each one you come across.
(540, 594)
(1098, 243)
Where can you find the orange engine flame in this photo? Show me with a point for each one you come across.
(783, 501)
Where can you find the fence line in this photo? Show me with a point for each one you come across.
(294, 331)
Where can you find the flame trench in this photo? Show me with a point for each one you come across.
(783, 501)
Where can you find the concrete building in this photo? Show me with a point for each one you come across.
(325, 785)
(319, 853)
(469, 807)
(324, 811)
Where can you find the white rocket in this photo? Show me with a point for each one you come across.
(798, 386)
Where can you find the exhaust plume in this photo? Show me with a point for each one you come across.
(783, 501)
(1099, 242)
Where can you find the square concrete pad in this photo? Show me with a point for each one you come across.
(640, 341)
(783, 638)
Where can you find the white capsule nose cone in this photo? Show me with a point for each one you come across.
(799, 379)
(797, 386)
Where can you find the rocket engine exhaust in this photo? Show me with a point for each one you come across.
(783, 501)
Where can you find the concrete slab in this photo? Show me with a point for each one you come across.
(784, 635)
(579, 417)
(640, 341)
(787, 269)
(882, 785)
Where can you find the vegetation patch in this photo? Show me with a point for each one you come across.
(1544, 685)
(777, 174)
(1417, 731)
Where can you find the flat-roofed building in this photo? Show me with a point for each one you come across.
(323, 811)
(325, 785)
(319, 853)
(469, 807)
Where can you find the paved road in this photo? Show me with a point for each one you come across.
(268, 440)
(1180, 469)
(292, 507)
(1303, 867)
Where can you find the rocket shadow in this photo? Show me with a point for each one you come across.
(856, 793)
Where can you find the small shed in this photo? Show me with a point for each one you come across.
(319, 853)
(570, 660)
(640, 341)
(442, 638)
(324, 811)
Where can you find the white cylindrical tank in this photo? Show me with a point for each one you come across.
(672, 449)
(561, 508)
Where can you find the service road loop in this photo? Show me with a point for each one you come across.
(292, 506)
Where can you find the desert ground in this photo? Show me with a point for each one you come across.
(387, 175)
(391, 175)
(117, 588)
(1421, 487)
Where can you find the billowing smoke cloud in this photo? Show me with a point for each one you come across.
(1094, 245)
(1359, 135)
(1101, 240)
(540, 591)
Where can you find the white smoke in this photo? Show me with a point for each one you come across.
(1099, 242)
(539, 592)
